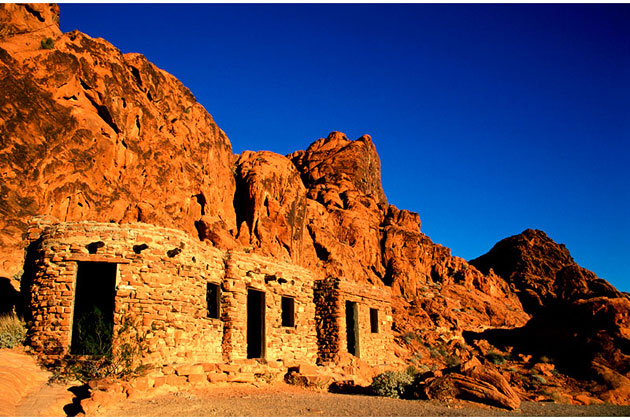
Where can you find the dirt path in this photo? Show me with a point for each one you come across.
(24, 392)
(24, 389)
(283, 400)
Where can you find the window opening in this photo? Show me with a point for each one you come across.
(374, 320)
(288, 311)
(213, 300)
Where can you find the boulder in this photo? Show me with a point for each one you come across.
(480, 383)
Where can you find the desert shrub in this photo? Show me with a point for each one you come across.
(12, 331)
(123, 361)
(408, 337)
(47, 44)
(391, 384)
(496, 358)
(452, 360)
(437, 352)
(539, 379)
(412, 370)
(93, 334)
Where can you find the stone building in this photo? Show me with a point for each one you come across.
(190, 302)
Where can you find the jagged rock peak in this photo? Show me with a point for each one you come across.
(347, 165)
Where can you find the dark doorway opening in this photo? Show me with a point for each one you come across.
(255, 324)
(93, 323)
(352, 327)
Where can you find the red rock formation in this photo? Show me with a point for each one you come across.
(541, 270)
(271, 207)
(357, 235)
(579, 320)
(89, 133)
(476, 382)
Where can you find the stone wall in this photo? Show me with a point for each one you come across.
(373, 347)
(252, 271)
(161, 280)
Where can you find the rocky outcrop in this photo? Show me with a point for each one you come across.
(541, 271)
(475, 382)
(36, 20)
(579, 320)
(89, 133)
(347, 204)
(271, 207)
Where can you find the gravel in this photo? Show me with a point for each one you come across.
(283, 400)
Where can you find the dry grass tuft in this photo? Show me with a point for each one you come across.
(12, 331)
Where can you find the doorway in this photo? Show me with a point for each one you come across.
(93, 323)
(255, 324)
(352, 327)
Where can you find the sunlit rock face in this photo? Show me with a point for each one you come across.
(89, 133)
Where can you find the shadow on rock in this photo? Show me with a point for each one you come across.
(9, 297)
(80, 392)
(349, 388)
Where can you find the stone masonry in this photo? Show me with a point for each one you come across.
(161, 281)
(373, 335)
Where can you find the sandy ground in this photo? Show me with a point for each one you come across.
(24, 390)
(283, 400)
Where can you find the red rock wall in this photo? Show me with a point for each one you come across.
(90, 133)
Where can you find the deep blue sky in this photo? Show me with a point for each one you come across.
(489, 119)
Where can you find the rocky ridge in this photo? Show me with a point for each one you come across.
(89, 133)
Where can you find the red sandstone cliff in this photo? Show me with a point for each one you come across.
(89, 133)
(324, 208)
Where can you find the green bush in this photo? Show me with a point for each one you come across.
(539, 379)
(496, 358)
(391, 384)
(47, 44)
(12, 331)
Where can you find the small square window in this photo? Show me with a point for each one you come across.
(374, 320)
(288, 312)
(213, 300)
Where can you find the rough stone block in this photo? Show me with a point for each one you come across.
(242, 377)
(307, 369)
(143, 383)
(176, 380)
(185, 370)
(168, 370)
(197, 378)
(217, 377)
(159, 381)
